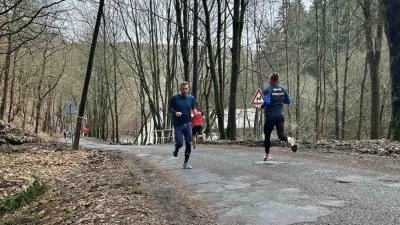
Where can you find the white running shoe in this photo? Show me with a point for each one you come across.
(187, 166)
(292, 144)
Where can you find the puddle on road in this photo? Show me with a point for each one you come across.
(332, 203)
(270, 162)
(275, 163)
(390, 183)
(233, 185)
(275, 213)
(244, 178)
(395, 183)
(278, 213)
(211, 188)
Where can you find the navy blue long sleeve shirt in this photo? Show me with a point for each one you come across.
(183, 105)
(275, 96)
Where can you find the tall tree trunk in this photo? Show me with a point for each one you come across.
(155, 68)
(87, 77)
(108, 83)
(298, 19)
(336, 53)
(7, 66)
(361, 110)
(392, 11)
(221, 52)
(239, 8)
(345, 85)
(373, 47)
(195, 48)
(287, 7)
(115, 65)
(218, 103)
(183, 29)
(39, 88)
(323, 129)
(11, 105)
(318, 75)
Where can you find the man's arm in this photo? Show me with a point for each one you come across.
(193, 103)
(287, 99)
(171, 105)
(267, 98)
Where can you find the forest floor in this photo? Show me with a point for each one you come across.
(91, 187)
(48, 183)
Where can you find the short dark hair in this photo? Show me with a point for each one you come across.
(274, 76)
(184, 83)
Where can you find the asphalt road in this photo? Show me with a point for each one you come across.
(307, 187)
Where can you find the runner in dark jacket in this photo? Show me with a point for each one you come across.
(275, 96)
(180, 106)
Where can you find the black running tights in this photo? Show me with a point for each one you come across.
(270, 123)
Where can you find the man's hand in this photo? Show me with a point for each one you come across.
(178, 114)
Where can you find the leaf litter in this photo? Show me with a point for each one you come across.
(94, 187)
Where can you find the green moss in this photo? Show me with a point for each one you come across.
(68, 214)
(25, 197)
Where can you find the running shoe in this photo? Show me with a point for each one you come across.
(292, 144)
(267, 157)
(175, 153)
(187, 166)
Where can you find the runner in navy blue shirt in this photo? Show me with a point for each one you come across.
(180, 106)
(275, 96)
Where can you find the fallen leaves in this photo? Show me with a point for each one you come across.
(89, 186)
(49, 165)
(92, 187)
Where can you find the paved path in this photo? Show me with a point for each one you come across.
(295, 188)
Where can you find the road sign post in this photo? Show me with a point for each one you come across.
(70, 110)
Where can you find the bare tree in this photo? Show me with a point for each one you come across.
(181, 8)
(373, 44)
(392, 10)
(49, 49)
(239, 9)
(217, 101)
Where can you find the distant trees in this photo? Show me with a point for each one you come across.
(325, 53)
(34, 60)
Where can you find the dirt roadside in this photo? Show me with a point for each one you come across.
(94, 187)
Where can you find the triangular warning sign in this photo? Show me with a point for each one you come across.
(258, 98)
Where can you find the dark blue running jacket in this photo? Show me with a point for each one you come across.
(275, 96)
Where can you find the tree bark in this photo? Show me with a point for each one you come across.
(336, 52)
(239, 8)
(7, 65)
(392, 11)
(318, 75)
(195, 49)
(183, 29)
(373, 48)
(218, 103)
